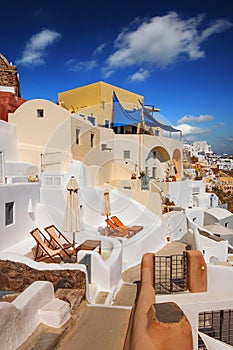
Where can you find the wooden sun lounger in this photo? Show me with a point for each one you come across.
(114, 226)
(135, 229)
(42, 251)
(58, 240)
(117, 221)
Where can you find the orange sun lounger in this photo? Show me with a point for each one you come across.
(114, 226)
(117, 221)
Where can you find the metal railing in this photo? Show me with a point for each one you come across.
(217, 324)
(171, 274)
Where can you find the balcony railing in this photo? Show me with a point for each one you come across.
(171, 274)
(217, 324)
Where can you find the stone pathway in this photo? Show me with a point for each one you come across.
(99, 328)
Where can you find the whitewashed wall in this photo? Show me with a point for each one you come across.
(181, 192)
(25, 197)
(174, 225)
(8, 141)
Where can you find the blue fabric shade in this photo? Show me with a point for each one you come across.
(123, 117)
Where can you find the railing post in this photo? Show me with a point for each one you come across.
(171, 283)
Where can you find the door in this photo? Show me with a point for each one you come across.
(154, 172)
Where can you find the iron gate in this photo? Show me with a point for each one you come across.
(216, 324)
(170, 274)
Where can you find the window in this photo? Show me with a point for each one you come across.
(48, 181)
(77, 136)
(154, 172)
(91, 119)
(40, 113)
(53, 181)
(9, 213)
(126, 154)
(57, 181)
(92, 140)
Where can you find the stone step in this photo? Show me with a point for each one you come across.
(126, 295)
(101, 297)
(55, 313)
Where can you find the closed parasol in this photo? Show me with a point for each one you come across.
(72, 220)
(106, 204)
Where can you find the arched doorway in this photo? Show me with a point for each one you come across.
(157, 162)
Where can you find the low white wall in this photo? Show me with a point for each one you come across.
(40, 265)
(228, 221)
(196, 216)
(214, 249)
(209, 247)
(180, 192)
(17, 169)
(106, 274)
(174, 225)
(220, 279)
(21, 317)
(149, 240)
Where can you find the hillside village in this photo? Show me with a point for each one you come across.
(114, 233)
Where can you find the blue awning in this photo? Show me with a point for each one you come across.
(123, 117)
(156, 123)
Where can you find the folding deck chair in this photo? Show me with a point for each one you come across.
(57, 239)
(42, 251)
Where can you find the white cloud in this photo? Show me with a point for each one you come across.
(229, 138)
(99, 49)
(219, 125)
(201, 118)
(35, 49)
(189, 130)
(107, 72)
(161, 41)
(220, 25)
(190, 138)
(73, 65)
(140, 75)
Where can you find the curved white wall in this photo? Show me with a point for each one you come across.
(8, 141)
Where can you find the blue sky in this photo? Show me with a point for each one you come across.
(178, 54)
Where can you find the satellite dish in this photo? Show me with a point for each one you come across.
(32, 170)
